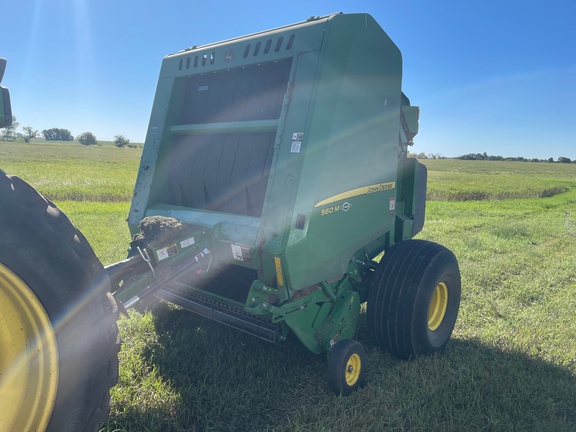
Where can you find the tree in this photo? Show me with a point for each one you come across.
(9, 133)
(56, 134)
(563, 159)
(29, 133)
(120, 141)
(87, 138)
(435, 156)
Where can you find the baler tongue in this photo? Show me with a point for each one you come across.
(163, 251)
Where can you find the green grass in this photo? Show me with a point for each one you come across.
(74, 172)
(511, 365)
(459, 180)
(103, 224)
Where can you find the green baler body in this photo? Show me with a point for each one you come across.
(287, 147)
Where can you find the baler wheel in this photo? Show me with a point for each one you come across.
(414, 299)
(346, 367)
(58, 335)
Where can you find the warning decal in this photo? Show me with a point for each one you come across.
(297, 138)
(167, 252)
(241, 253)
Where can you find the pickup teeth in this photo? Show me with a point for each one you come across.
(225, 314)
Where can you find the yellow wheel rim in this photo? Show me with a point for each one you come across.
(438, 306)
(28, 357)
(353, 367)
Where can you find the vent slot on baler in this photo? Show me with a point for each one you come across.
(224, 144)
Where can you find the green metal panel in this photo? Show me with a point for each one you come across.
(349, 153)
(327, 94)
(220, 172)
(169, 104)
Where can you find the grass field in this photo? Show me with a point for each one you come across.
(511, 365)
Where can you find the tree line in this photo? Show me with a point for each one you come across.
(484, 156)
(11, 134)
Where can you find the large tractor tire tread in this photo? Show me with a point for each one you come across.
(414, 299)
(40, 245)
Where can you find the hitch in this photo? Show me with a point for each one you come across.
(160, 255)
(190, 266)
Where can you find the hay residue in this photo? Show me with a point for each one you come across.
(159, 229)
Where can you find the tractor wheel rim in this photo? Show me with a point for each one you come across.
(438, 306)
(353, 367)
(28, 358)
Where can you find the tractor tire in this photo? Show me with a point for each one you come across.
(58, 335)
(414, 299)
(346, 367)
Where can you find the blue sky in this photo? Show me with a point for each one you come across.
(495, 76)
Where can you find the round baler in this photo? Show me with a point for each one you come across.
(275, 195)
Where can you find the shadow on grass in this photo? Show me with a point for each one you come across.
(228, 381)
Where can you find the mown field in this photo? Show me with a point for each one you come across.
(511, 365)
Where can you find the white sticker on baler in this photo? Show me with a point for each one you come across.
(162, 254)
(297, 138)
(188, 242)
(296, 146)
(167, 252)
(237, 252)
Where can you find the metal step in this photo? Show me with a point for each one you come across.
(236, 319)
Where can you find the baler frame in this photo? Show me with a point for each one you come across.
(274, 173)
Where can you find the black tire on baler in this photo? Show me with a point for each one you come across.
(346, 367)
(55, 298)
(414, 298)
